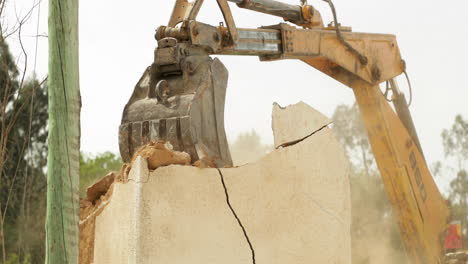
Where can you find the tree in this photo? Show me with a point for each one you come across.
(350, 130)
(455, 141)
(23, 150)
(458, 197)
(374, 234)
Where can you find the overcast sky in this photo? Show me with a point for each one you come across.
(117, 44)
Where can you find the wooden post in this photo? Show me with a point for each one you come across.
(62, 223)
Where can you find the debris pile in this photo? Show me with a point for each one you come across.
(157, 154)
(160, 153)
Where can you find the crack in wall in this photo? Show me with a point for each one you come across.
(326, 211)
(237, 217)
(294, 142)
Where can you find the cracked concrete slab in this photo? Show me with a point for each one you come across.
(176, 214)
(295, 122)
(295, 202)
(292, 206)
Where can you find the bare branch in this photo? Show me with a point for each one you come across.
(28, 15)
(38, 36)
(25, 146)
(25, 54)
(13, 104)
(21, 22)
(2, 7)
(7, 32)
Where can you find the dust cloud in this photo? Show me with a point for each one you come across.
(374, 232)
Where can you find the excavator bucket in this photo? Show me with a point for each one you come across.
(179, 99)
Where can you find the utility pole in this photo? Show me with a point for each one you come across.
(62, 223)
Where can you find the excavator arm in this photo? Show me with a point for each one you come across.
(361, 61)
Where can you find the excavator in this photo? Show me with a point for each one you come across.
(180, 99)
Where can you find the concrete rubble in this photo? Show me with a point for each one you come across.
(292, 206)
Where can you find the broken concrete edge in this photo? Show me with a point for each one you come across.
(98, 197)
(158, 154)
(285, 118)
(129, 170)
(99, 188)
(98, 194)
(140, 177)
(92, 208)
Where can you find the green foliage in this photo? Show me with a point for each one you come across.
(14, 259)
(8, 69)
(94, 168)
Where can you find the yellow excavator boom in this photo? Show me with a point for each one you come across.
(361, 61)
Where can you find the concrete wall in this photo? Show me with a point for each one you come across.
(292, 206)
